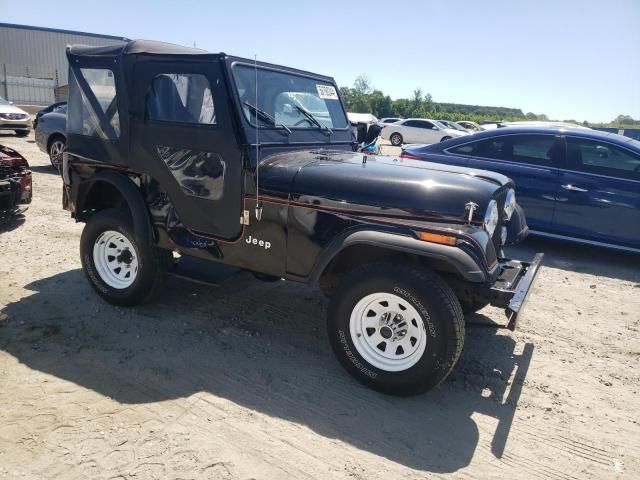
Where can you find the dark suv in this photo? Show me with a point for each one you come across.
(252, 165)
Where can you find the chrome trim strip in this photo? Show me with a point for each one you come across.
(588, 242)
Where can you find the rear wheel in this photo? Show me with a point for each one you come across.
(395, 328)
(56, 147)
(122, 271)
(396, 139)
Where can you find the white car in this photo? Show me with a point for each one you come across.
(14, 118)
(471, 126)
(418, 130)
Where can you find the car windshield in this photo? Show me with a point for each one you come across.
(440, 124)
(291, 100)
(3, 101)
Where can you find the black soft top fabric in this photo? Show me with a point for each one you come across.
(134, 47)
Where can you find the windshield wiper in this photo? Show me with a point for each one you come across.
(312, 118)
(267, 118)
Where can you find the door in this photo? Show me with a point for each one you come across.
(531, 161)
(599, 196)
(426, 132)
(182, 136)
(409, 131)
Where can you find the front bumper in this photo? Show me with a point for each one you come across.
(21, 124)
(511, 289)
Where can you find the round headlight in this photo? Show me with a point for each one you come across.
(491, 218)
(509, 204)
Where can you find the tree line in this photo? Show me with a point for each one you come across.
(363, 98)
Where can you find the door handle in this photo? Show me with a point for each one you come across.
(572, 188)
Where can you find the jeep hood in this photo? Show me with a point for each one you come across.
(389, 186)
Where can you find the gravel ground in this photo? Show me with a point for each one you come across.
(238, 381)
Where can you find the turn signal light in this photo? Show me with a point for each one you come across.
(437, 238)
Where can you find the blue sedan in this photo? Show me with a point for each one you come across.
(575, 184)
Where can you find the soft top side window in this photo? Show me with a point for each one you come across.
(180, 98)
(102, 87)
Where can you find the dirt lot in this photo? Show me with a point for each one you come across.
(238, 381)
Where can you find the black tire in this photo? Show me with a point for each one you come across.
(444, 139)
(21, 133)
(396, 139)
(428, 294)
(55, 147)
(152, 262)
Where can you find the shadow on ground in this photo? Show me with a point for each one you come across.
(262, 346)
(575, 257)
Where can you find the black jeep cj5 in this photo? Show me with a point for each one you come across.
(173, 149)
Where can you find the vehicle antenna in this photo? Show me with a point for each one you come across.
(258, 206)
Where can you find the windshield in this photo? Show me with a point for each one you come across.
(441, 124)
(3, 101)
(290, 100)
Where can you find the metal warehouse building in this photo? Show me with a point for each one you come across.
(33, 64)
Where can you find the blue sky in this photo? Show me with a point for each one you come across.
(575, 59)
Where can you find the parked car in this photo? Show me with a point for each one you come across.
(51, 133)
(453, 125)
(14, 118)
(418, 130)
(396, 246)
(575, 184)
(15, 183)
(388, 120)
(471, 126)
(54, 107)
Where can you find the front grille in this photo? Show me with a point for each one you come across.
(5, 170)
(499, 197)
(13, 116)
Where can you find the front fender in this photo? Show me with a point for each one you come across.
(457, 258)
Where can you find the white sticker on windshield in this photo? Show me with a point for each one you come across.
(327, 92)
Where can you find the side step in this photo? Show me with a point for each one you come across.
(201, 271)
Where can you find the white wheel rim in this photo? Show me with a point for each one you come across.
(388, 332)
(115, 259)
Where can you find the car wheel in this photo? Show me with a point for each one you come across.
(444, 139)
(120, 269)
(396, 139)
(395, 328)
(22, 133)
(56, 147)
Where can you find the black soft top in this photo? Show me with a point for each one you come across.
(133, 47)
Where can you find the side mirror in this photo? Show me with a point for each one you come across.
(10, 103)
(434, 128)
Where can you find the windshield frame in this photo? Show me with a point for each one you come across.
(238, 63)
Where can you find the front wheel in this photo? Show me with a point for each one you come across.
(444, 139)
(395, 139)
(395, 328)
(120, 269)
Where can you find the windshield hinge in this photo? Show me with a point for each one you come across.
(244, 219)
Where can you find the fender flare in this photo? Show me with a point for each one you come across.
(460, 260)
(140, 215)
